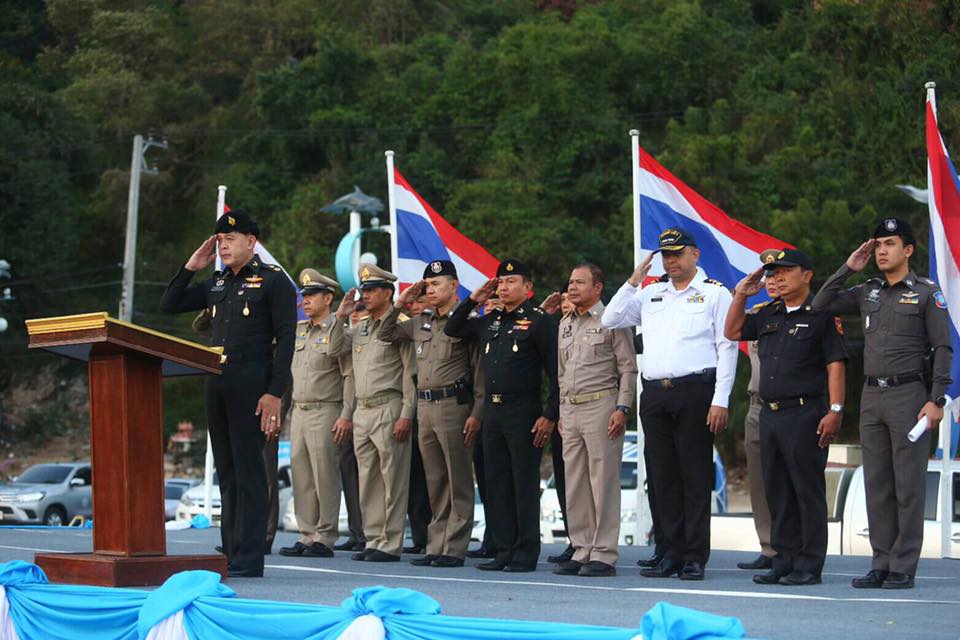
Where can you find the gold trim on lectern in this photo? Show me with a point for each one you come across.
(78, 322)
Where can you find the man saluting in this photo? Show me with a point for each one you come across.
(253, 310)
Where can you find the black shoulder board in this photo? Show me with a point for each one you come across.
(716, 282)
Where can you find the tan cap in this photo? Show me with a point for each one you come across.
(373, 276)
(312, 281)
(769, 255)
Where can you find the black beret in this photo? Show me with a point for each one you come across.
(895, 227)
(511, 267)
(440, 268)
(236, 220)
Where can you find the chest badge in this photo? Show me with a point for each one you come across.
(906, 300)
(567, 331)
(695, 299)
(873, 296)
(246, 309)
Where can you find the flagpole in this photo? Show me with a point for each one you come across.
(644, 517)
(947, 421)
(208, 456)
(394, 223)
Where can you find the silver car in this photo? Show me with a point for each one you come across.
(50, 494)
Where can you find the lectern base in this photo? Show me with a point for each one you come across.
(123, 571)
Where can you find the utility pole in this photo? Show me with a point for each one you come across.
(138, 165)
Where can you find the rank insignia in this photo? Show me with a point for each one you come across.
(695, 299)
(909, 301)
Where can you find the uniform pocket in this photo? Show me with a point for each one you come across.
(907, 320)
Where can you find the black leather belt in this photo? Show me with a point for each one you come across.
(707, 376)
(437, 394)
(501, 398)
(790, 403)
(894, 381)
(234, 357)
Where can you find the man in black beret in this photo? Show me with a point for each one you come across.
(518, 343)
(253, 312)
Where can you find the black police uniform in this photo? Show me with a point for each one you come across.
(794, 350)
(254, 317)
(516, 347)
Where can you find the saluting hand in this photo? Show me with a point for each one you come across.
(717, 419)
(347, 305)
(541, 431)
(402, 428)
(860, 258)
(751, 284)
(640, 273)
(470, 430)
(204, 256)
(483, 294)
(411, 293)
(551, 304)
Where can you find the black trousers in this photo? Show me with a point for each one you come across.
(479, 471)
(350, 482)
(681, 471)
(237, 443)
(512, 468)
(559, 477)
(418, 502)
(659, 547)
(271, 457)
(793, 477)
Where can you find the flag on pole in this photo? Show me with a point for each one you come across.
(423, 236)
(943, 188)
(729, 249)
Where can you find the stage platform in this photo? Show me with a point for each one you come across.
(830, 610)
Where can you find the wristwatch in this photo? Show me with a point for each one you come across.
(941, 401)
(625, 410)
(836, 408)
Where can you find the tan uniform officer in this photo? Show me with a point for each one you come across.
(382, 420)
(449, 410)
(322, 411)
(597, 370)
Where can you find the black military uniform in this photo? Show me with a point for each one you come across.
(516, 347)
(903, 323)
(795, 348)
(253, 317)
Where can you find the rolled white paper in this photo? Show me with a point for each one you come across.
(918, 430)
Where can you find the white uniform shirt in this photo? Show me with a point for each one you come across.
(682, 330)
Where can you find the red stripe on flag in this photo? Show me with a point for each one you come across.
(944, 186)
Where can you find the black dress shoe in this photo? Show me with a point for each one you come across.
(447, 562)
(362, 555)
(759, 563)
(415, 549)
(240, 572)
(318, 550)
(482, 552)
(692, 571)
(349, 545)
(425, 561)
(568, 568)
(651, 562)
(516, 567)
(492, 565)
(219, 549)
(770, 577)
(296, 550)
(665, 569)
(800, 579)
(873, 580)
(897, 580)
(565, 556)
(382, 556)
(597, 569)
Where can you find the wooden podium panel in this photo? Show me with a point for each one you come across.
(125, 366)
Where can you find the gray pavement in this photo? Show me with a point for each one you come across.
(830, 610)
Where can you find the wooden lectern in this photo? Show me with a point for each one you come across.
(125, 365)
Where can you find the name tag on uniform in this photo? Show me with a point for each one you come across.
(657, 299)
(594, 330)
(697, 299)
(216, 288)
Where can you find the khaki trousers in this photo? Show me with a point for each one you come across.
(314, 462)
(384, 466)
(758, 494)
(447, 464)
(592, 462)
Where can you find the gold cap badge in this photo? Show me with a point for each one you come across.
(365, 274)
(509, 266)
(232, 221)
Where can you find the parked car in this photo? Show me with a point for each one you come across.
(50, 494)
(192, 501)
(551, 518)
(848, 532)
(173, 490)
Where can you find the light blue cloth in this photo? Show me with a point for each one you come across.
(178, 592)
(669, 622)
(199, 521)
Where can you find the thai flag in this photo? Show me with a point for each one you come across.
(424, 236)
(944, 202)
(729, 249)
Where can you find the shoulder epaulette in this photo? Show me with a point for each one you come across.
(928, 281)
(275, 267)
(402, 317)
(760, 305)
(716, 282)
(300, 322)
(876, 280)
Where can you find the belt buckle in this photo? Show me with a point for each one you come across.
(774, 406)
(428, 395)
(496, 398)
(883, 383)
(666, 383)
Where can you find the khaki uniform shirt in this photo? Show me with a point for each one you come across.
(594, 358)
(381, 366)
(442, 360)
(322, 367)
(753, 387)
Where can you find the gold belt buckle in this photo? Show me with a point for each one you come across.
(774, 406)
(496, 398)
(666, 383)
